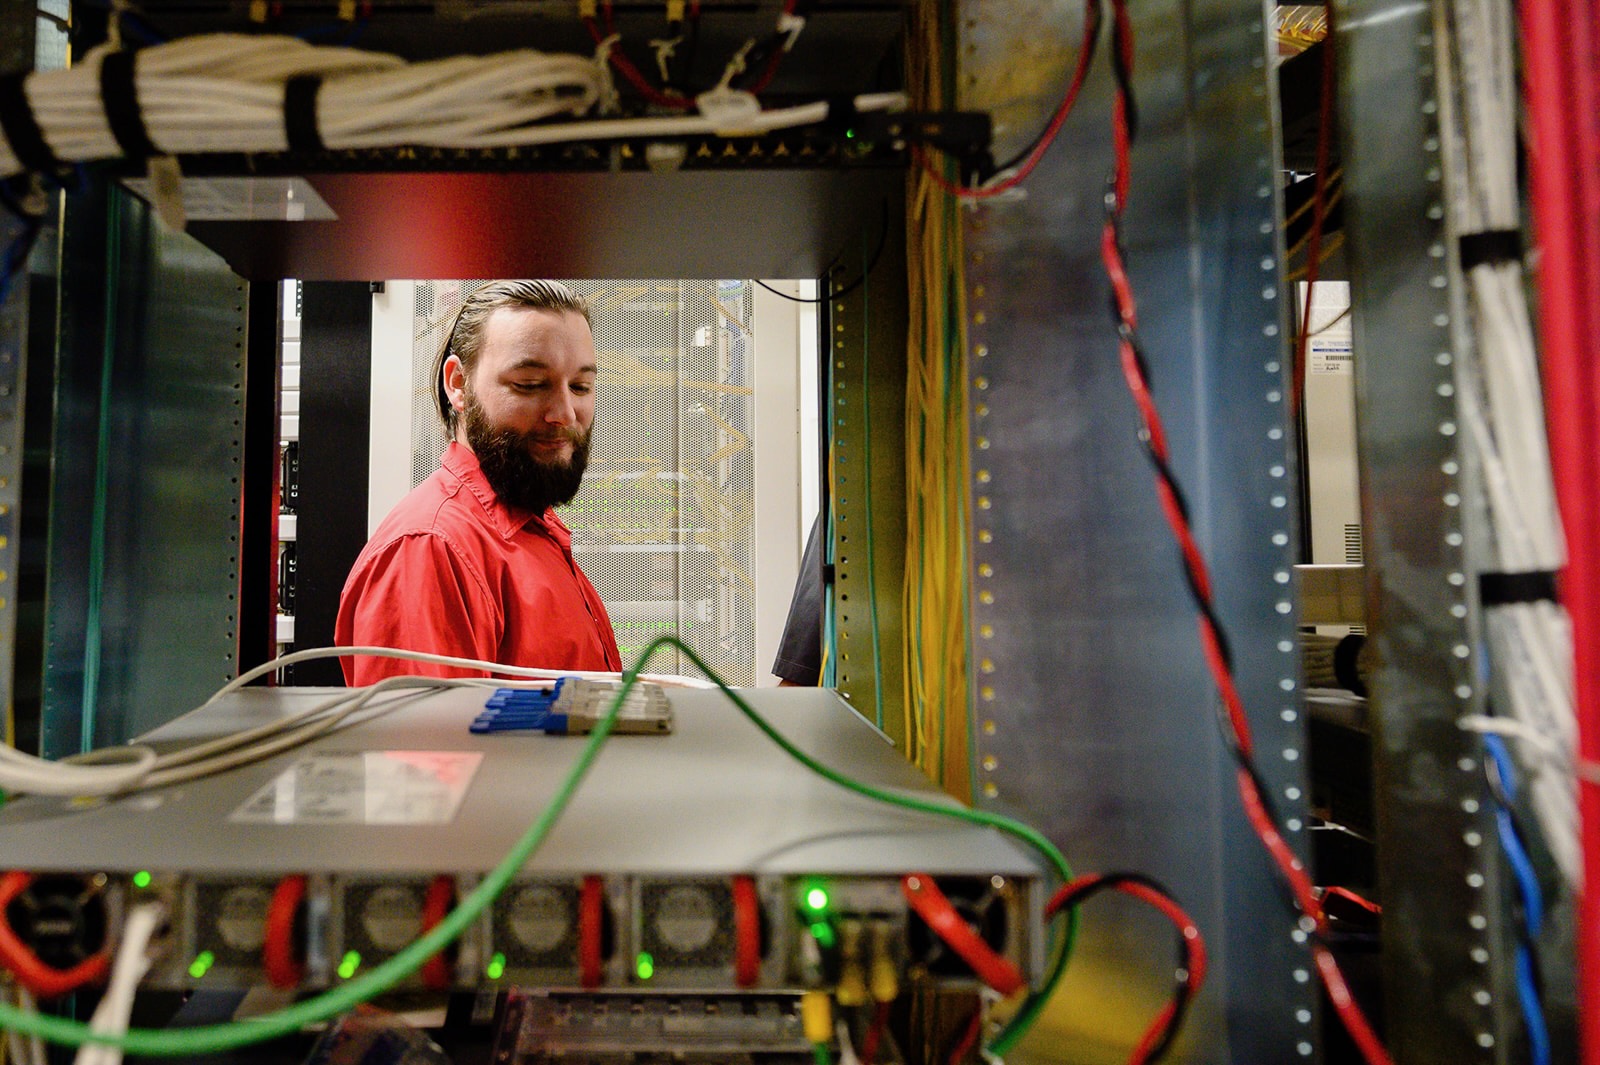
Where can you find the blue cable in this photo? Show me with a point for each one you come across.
(1527, 879)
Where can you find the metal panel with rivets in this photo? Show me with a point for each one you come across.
(1448, 957)
(13, 335)
(866, 382)
(1095, 715)
(144, 569)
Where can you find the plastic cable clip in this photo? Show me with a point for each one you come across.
(728, 110)
(791, 26)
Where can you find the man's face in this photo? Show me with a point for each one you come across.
(528, 407)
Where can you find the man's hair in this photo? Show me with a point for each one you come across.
(466, 335)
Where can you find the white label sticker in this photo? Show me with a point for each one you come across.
(1330, 356)
(365, 788)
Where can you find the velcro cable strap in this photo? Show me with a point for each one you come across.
(120, 98)
(1504, 589)
(21, 127)
(1491, 246)
(300, 113)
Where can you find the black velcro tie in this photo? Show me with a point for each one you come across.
(1504, 589)
(21, 128)
(120, 98)
(1491, 246)
(300, 113)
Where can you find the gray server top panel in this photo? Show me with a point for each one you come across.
(714, 797)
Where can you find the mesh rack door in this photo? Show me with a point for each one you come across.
(664, 521)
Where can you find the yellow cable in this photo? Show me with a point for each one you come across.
(934, 603)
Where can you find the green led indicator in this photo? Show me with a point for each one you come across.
(646, 966)
(816, 899)
(850, 134)
(349, 965)
(202, 964)
(141, 879)
(822, 932)
(497, 967)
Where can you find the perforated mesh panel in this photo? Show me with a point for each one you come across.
(663, 523)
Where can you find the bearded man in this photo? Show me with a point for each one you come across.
(474, 562)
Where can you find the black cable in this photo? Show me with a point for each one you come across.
(1183, 980)
(883, 239)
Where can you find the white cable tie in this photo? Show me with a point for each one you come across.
(847, 1050)
(1550, 750)
(736, 65)
(610, 99)
(791, 25)
(114, 24)
(665, 50)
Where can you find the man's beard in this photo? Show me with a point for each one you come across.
(518, 478)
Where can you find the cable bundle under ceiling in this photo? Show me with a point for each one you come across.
(250, 93)
(227, 93)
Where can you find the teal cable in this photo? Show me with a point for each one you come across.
(212, 1039)
(866, 448)
(92, 637)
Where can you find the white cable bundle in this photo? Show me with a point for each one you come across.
(459, 102)
(1502, 410)
(225, 93)
(120, 770)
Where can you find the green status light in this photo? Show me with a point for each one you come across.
(141, 879)
(822, 932)
(202, 964)
(349, 964)
(497, 967)
(816, 899)
(646, 966)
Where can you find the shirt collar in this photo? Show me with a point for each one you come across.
(507, 521)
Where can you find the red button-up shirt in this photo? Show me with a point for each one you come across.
(454, 571)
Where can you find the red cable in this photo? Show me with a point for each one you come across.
(44, 981)
(1194, 948)
(625, 67)
(1288, 864)
(1350, 896)
(935, 910)
(279, 958)
(969, 1038)
(437, 974)
(874, 1036)
(1091, 26)
(747, 932)
(1561, 75)
(1355, 1022)
(1153, 1034)
(591, 920)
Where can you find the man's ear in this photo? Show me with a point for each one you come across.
(455, 383)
